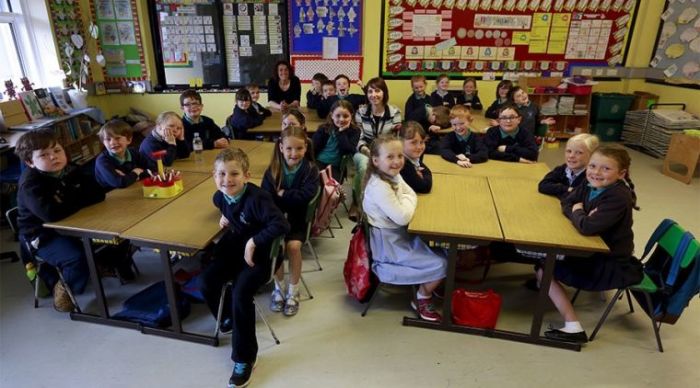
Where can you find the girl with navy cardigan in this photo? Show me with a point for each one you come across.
(168, 135)
(244, 117)
(293, 180)
(336, 138)
(414, 172)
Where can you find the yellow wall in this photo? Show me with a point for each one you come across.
(219, 105)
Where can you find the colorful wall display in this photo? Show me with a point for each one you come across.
(677, 54)
(476, 36)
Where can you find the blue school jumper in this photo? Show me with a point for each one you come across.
(106, 167)
(243, 120)
(530, 114)
(492, 111)
(415, 110)
(208, 131)
(447, 100)
(473, 100)
(519, 145)
(409, 173)
(558, 181)
(153, 143)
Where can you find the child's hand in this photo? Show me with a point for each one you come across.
(570, 189)
(137, 171)
(577, 206)
(223, 222)
(434, 128)
(462, 157)
(221, 143)
(464, 163)
(592, 212)
(119, 173)
(294, 104)
(526, 161)
(360, 84)
(396, 128)
(280, 193)
(493, 123)
(501, 148)
(549, 121)
(167, 135)
(249, 250)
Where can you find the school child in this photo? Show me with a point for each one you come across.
(342, 89)
(328, 98)
(461, 146)
(118, 166)
(244, 117)
(50, 189)
(254, 90)
(167, 135)
(389, 203)
(251, 222)
(442, 95)
(377, 118)
(414, 172)
(502, 93)
(470, 95)
(529, 111)
(194, 122)
(292, 180)
(293, 118)
(415, 108)
(438, 126)
(602, 207)
(336, 138)
(564, 178)
(313, 96)
(508, 141)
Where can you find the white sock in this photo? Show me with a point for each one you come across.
(572, 327)
(279, 285)
(421, 296)
(293, 289)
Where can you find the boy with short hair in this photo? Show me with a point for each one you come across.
(415, 108)
(50, 190)
(244, 117)
(252, 222)
(461, 146)
(195, 122)
(118, 166)
(313, 96)
(328, 98)
(254, 90)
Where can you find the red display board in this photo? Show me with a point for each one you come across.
(474, 36)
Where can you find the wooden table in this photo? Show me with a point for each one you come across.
(260, 159)
(105, 222)
(458, 210)
(206, 166)
(492, 168)
(534, 221)
(273, 124)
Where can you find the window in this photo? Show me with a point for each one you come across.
(24, 33)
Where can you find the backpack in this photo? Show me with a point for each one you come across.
(676, 275)
(150, 308)
(329, 201)
(360, 281)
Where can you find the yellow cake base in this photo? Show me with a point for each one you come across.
(163, 192)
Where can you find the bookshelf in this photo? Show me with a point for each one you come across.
(77, 133)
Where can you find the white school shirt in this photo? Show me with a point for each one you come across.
(386, 208)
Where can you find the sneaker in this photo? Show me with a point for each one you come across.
(291, 305)
(241, 374)
(426, 310)
(558, 335)
(61, 299)
(276, 301)
(226, 326)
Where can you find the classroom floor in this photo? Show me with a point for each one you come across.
(328, 344)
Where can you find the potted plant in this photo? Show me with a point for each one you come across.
(76, 65)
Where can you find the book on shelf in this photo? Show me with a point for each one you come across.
(85, 127)
(47, 105)
(60, 99)
(31, 105)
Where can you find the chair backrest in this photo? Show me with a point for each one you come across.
(11, 216)
(345, 163)
(311, 212)
(274, 255)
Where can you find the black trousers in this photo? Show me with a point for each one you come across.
(229, 265)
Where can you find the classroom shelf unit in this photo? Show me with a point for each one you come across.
(77, 133)
(571, 111)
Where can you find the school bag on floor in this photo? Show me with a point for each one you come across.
(676, 275)
(360, 281)
(150, 308)
(329, 201)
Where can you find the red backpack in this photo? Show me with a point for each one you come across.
(329, 201)
(359, 279)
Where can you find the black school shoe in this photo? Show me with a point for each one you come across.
(242, 372)
(558, 335)
(226, 326)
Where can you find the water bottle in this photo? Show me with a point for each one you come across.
(198, 147)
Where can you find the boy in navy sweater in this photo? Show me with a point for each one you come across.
(244, 117)
(508, 141)
(168, 135)
(415, 108)
(328, 98)
(342, 89)
(252, 223)
(194, 122)
(461, 146)
(313, 96)
(254, 90)
(118, 166)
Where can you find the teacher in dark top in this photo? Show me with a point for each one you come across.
(284, 88)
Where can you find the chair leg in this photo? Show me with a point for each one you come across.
(340, 226)
(629, 299)
(313, 252)
(656, 327)
(257, 308)
(371, 299)
(308, 292)
(36, 289)
(605, 314)
(573, 298)
(221, 310)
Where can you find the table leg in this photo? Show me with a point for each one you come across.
(449, 284)
(170, 290)
(543, 297)
(95, 278)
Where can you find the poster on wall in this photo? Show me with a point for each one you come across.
(119, 39)
(464, 37)
(676, 58)
(325, 36)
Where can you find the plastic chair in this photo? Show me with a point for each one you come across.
(673, 244)
(274, 256)
(310, 215)
(11, 217)
(26, 249)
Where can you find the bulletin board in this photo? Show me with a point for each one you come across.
(119, 39)
(218, 44)
(676, 58)
(66, 20)
(465, 37)
(326, 37)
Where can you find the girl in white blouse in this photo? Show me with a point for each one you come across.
(389, 203)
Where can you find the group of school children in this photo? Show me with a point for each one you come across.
(593, 184)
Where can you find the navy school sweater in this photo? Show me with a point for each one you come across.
(106, 168)
(151, 144)
(243, 120)
(474, 148)
(556, 183)
(296, 197)
(409, 174)
(207, 129)
(522, 146)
